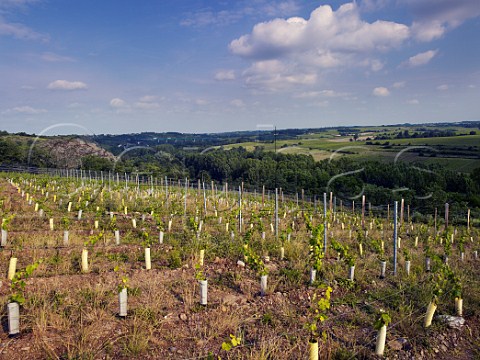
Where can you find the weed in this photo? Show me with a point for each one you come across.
(174, 259)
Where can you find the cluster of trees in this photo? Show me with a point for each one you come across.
(117, 143)
(425, 134)
(421, 133)
(423, 187)
(15, 152)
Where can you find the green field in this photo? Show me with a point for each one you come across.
(459, 153)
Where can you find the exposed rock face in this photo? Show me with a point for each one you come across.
(68, 152)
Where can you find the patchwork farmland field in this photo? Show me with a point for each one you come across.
(457, 153)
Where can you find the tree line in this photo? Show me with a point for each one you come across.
(424, 187)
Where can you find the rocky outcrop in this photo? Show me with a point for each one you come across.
(68, 152)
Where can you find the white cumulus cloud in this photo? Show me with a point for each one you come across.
(381, 91)
(325, 31)
(299, 48)
(118, 103)
(421, 58)
(67, 85)
(443, 87)
(428, 31)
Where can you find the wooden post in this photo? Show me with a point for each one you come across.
(334, 206)
(240, 209)
(363, 211)
(276, 213)
(325, 224)
(401, 211)
(395, 244)
(185, 203)
(204, 201)
(446, 214)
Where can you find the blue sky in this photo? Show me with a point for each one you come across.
(207, 66)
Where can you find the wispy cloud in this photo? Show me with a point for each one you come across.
(201, 102)
(435, 17)
(237, 103)
(16, 3)
(67, 85)
(20, 31)
(373, 5)
(147, 105)
(15, 29)
(209, 17)
(148, 98)
(223, 75)
(282, 8)
(147, 102)
(28, 110)
(317, 94)
(273, 76)
(52, 57)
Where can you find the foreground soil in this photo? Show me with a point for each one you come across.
(72, 315)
